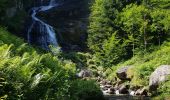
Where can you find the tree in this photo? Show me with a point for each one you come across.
(101, 25)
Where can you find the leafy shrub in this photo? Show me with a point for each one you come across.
(27, 74)
(85, 90)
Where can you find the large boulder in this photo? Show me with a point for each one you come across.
(158, 76)
(122, 73)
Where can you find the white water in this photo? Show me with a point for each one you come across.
(49, 38)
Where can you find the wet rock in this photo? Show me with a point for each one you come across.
(70, 19)
(108, 86)
(103, 88)
(118, 85)
(117, 92)
(132, 93)
(158, 76)
(144, 92)
(124, 89)
(122, 73)
(137, 92)
(111, 90)
(103, 82)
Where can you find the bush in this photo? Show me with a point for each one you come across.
(26, 74)
(85, 90)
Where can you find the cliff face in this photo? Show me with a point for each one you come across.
(70, 21)
(12, 14)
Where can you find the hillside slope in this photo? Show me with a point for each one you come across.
(24, 71)
(144, 64)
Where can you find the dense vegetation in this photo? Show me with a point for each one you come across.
(130, 29)
(29, 73)
(120, 33)
(119, 29)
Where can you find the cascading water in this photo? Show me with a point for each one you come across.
(47, 34)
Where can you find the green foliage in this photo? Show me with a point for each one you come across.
(163, 92)
(120, 29)
(85, 90)
(27, 74)
(144, 65)
(113, 51)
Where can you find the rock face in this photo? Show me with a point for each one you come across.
(70, 21)
(158, 76)
(122, 73)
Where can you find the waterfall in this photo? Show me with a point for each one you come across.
(47, 34)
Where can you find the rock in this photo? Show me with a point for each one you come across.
(118, 84)
(122, 73)
(105, 92)
(84, 73)
(117, 92)
(99, 79)
(103, 88)
(158, 76)
(70, 19)
(103, 82)
(137, 92)
(132, 93)
(111, 90)
(142, 91)
(124, 89)
(108, 86)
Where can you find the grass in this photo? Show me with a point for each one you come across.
(143, 65)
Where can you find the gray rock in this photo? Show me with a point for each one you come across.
(122, 73)
(70, 19)
(137, 92)
(84, 73)
(124, 89)
(142, 91)
(111, 91)
(158, 76)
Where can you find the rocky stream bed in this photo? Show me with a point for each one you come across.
(120, 89)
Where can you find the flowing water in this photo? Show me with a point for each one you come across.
(47, 34)
(126, 97)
